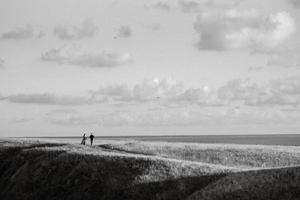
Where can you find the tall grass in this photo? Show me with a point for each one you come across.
(146, 170)
(222, 154)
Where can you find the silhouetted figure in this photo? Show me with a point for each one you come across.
(91, 138)
(83, 139)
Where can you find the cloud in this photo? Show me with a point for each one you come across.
(124, 32)
(75, 56)
(64, 110)
(163, 91)
(233, 29)
(255, 68)
(194, 6)
(189, 6)
(295, 3)
(147, 91)
(169, 93)
(151, 26)
(161, 5)
(48, 99)
(21, 33)
(155, 26)
(22, 119)
(201, 96)
(1, 63)
(275, 92)
(87, 30)
(285, 57)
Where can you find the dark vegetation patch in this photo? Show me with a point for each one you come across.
(268, 184)
(32, 173)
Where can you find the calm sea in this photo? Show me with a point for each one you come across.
(292, 139)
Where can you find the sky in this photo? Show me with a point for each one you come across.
(128, 67)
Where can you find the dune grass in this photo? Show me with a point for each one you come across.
(147, 170)
(243, 156)
(58, 171)
(269, 184)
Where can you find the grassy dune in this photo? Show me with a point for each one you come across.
(144, 170)
(243, 156)
(271, 184)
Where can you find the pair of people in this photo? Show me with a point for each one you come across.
(84, 139)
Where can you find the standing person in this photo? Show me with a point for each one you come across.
(91, 138)
(83, 139)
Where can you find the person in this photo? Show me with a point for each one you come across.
(83, 139)
(91, 138)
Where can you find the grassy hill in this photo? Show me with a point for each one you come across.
(271, 184)
(136, 170)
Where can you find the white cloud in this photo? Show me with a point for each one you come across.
(200, 96)
(162, 5)
(194, 6)
(189, 6)
(75, 56)
(48, 99)
(124, 31)
(1, 63)
(147, 91)
(295, 3)
(87, 30)
(275, 92)
(169, 93)
(155, 26)
(64, 110)
(285, 57)
(163, 91)
(22, 119)
(233, 29)
(255, 68)
(21, 33)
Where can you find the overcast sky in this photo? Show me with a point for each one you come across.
(138, 67)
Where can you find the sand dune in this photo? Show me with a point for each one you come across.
(134, 170)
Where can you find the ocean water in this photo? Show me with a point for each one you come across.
(290, 140)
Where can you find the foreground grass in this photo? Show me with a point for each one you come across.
(142, 170)
(68, 171)
(243, 156)
(269, 184)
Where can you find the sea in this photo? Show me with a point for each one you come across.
(287, 139)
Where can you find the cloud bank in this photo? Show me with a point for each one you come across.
(171, 93)
(163, 91)
(275, 92)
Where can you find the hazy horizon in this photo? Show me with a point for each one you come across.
(117, 68)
